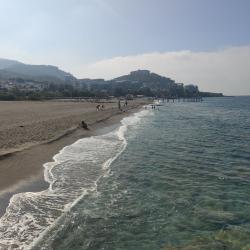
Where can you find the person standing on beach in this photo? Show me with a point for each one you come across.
(119, 104)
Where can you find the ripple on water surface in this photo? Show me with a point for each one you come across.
(182, 182)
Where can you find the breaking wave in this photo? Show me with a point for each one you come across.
(74, 172)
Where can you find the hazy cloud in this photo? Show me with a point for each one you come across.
(226, 70)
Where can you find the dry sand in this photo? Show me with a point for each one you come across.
(23, 124)
(31, 133)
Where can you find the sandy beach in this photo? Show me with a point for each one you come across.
(31, 133)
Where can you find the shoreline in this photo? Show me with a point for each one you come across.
(23, 171)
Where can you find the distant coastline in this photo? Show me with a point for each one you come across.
(19, 81)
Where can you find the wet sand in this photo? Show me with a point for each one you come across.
(31, 133)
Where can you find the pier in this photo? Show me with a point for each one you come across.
(187, 99)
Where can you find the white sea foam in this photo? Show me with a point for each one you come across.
(75, 171)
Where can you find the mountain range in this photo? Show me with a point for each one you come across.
(24, 81)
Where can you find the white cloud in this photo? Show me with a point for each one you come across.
(226, 70)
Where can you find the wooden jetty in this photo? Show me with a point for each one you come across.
(186, 99)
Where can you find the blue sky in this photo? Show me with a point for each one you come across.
(77, 35)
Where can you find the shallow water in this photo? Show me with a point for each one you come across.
(173, 178)
(75, 172)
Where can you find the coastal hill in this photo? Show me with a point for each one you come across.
(6, 63)
(19, 81)
(143, 76)
(14, 69)
(151, 82)
(144, 82)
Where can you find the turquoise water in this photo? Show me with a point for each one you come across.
(183, 182)
(173, 178)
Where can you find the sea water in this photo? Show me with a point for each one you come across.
(177, 177)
